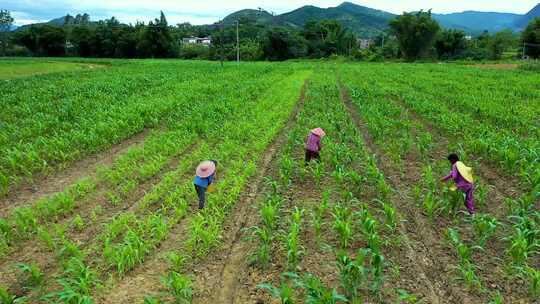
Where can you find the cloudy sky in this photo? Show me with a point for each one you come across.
(209, 11)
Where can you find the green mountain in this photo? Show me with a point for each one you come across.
(367, 22)
(64, 20)
(476, 22)
(362, 20)
(524, 20)
(259, 16)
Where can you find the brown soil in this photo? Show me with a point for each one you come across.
(43, 186)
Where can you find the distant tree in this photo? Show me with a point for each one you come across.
(282, 44)
(531, 36)
(6, 21)
(416, 33)
(43, 40)
(327, 37)
(500, 43)
(450, 44)
(81, 38)
(156, 40)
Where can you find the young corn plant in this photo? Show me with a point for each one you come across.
(318, 213)
(286, 170)
(532, 276)
(284, 292)
(262, 254)
(465, 267)
(377, 263)
(352, 273)
(7, 298)
(292, 240)
(177, 261)
(406, 298)
(77, 285)
(32, 276)
(343, 225)
(314, 290)
(318, 173)
(390, 216)
(180, 287)
(484, 227)
(151, 300)
(525, 240)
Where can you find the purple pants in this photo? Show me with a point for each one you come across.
(469, 199)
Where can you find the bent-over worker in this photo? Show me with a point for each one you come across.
(204, 176)
(313, 144)
(463, 178)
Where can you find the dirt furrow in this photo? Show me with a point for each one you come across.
(43, 186)
(418, 241)
(229, 264)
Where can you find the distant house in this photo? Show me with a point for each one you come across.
(196, 40)
(364, 43)
(468, 38)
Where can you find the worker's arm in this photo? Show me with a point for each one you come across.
(452, 175)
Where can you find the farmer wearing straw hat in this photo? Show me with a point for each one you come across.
(204, 176)
(313, 144)
(462, 176)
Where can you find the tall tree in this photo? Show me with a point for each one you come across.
(450, 43)
(43, 40)
(281, 44)
(531, 39)
(416, 33)
(6, 21)
(156, 40)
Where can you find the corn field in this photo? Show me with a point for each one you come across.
(97, 202)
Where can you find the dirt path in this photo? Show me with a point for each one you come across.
(219, 278)
(43, 186)
(420, 242)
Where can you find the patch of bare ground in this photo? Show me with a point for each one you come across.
(422, 245)
(35, 251)
(43, 186)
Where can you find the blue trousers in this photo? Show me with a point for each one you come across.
(201, 193)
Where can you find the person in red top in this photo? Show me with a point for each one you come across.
(462, 176)
(313, 144)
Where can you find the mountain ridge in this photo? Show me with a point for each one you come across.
(369, 22)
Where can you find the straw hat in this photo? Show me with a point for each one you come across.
(205, 169)
(465, 171)
(319, 132)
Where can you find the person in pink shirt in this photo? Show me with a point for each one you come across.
(313, 144)
(462, 176)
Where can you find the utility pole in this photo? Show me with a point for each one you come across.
(221, 44)
(237, 43)
(382, 45)
(523, 56)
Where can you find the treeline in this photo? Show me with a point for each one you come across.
(411, 36)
